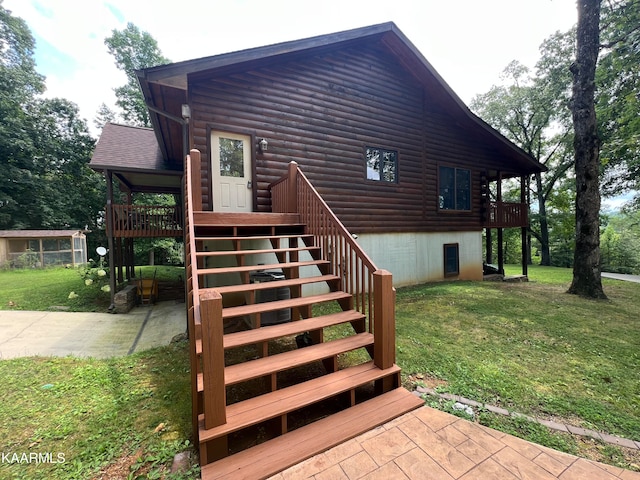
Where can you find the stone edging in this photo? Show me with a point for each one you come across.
(560, 427)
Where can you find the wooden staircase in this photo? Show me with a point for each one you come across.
(273, 378)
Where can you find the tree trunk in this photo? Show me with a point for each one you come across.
(545, 253)
(586, 262)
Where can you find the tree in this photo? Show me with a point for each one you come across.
(104, 115)
(132, 50)
(44, 146)
(586, 264)
(19, 86)
(73, 194)
(530, 112)
(618, 97)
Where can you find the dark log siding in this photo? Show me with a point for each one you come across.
(321, 112)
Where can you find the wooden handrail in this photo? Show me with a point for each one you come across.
(371, 288)
(506, 215)
(204, 312)
(145, 220)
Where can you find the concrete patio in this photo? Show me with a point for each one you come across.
(430, 444)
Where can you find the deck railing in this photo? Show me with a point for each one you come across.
(138, 221)
(372, 288)
(507, 215)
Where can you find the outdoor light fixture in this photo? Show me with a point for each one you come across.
(263, 145)
(186, 111)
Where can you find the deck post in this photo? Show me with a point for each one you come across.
(196, 180)
(525, 244)
(292, 189)
(384, 314)
(214, 393)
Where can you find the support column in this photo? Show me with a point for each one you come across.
(500, 230)
(112, 270)
(489, 245)
(525, 242)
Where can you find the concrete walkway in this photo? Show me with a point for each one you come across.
(621, 276)
(99, 335)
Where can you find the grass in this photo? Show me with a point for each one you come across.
(45, 289)
(125, 417)
(527, 347)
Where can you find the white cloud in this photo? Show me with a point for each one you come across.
(469, 42)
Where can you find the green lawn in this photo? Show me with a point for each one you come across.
(528, 347)
(44, 289)
(124, 416)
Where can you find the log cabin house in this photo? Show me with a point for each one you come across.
(292, 161)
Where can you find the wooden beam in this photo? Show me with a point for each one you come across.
(384, 319)
(214, 394)
(196, 180)
(292, 190)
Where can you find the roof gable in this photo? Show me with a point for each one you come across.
(161, 85)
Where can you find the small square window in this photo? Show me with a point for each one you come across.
(451, 260)
(382, 164)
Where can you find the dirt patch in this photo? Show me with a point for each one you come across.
(120, 469)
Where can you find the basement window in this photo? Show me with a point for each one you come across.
(382, 164)
(451, 260)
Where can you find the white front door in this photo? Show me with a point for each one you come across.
(231, 172)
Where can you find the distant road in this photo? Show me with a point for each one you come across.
(621, 276)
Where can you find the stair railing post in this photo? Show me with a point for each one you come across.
(214, 392)
(384, 318)
(196, 180)
(292, 188)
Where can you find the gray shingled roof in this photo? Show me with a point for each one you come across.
(37, 233)
(122, 147)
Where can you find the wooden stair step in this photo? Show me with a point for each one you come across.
(227, 253)
(257, 268)
(264, 334)
(265, 366)
(243, 310)
(272, 332)
(294, 358)
(226, 219)
(269, 458)
(280, 402)
(290, 282)
(257, 237)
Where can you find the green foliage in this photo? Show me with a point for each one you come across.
(620, 243)
(96, 275)
(618, 96)
(28, 259)
(44, 146)
(528, 110)
(132, 50)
